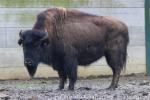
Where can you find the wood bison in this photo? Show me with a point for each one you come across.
(66, 38)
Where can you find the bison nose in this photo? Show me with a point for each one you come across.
(28, 62)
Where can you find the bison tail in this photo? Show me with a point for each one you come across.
(124, 51)
(124, 60)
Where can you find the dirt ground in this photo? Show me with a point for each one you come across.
(131, 87)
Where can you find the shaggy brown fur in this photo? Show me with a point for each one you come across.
(77, 38)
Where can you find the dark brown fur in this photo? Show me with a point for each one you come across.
(77, 38)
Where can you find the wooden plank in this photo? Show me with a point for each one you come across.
(44, 71)
(136, 55)
(2, 37)
(25, 17)
(13, 57)
(136, 35)
(115, 3)
(10, 36)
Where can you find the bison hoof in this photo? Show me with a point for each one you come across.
(59, 89)
(111, 87)
(71, 88)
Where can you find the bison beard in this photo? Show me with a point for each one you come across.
(66, 38)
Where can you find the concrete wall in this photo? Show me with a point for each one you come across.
(20, 14)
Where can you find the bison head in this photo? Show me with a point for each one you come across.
(33, 42)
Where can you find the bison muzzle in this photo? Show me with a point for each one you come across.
(66, 38)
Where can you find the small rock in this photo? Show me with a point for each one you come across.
(144, 83)
(84, 88)
(3, 89)
(115, 96)
(43, 82)
(4, 96)
(33, 98)
(133, 83)
(145, 94)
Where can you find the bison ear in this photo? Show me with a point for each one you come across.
(20, 42)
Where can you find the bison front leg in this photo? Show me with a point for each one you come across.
(71, 70)
(62, 78)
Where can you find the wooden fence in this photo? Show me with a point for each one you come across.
(21, 14)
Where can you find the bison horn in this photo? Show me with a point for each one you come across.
(45, 40)
(45, 37)
(20, 40)
(20, 33)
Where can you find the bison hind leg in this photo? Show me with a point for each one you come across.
(116, 59)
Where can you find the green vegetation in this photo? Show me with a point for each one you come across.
(23, 85)
(42, 3)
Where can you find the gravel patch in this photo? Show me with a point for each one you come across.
(133, 87)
